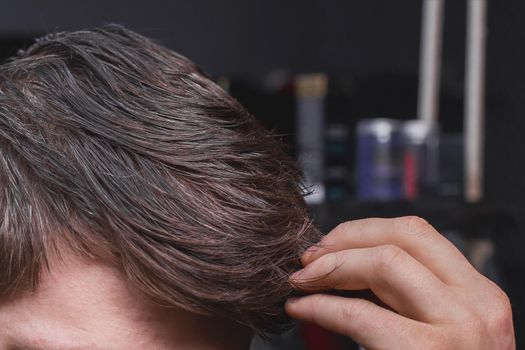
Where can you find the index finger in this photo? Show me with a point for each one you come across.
(367, 323)
(412, 234)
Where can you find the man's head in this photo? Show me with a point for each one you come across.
(116, 153)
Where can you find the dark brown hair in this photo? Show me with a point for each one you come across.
(121, 148)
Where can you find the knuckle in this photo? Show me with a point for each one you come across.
(343, 227)
(387, 256)
(492, 322)
(340, 231)
(354, 310)
(503, 299)
(328, 262)
(320, 273)
(500, 320)
(413, 225)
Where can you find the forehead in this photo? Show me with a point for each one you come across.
(76, 303)
(83, 304)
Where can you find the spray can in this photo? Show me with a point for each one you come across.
(379, 160)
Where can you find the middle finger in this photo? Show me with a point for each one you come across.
(392, 274)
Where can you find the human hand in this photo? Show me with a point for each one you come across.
(437, 299)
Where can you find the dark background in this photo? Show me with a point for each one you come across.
(373, 44)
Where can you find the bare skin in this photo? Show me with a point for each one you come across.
(437, 299)
(83, 304)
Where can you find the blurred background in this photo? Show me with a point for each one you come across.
(412, 107)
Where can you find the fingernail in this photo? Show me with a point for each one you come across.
(312, 249)
(308, 252)
(296, 275)
(292, 300)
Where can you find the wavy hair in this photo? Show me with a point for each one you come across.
(120, 149)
